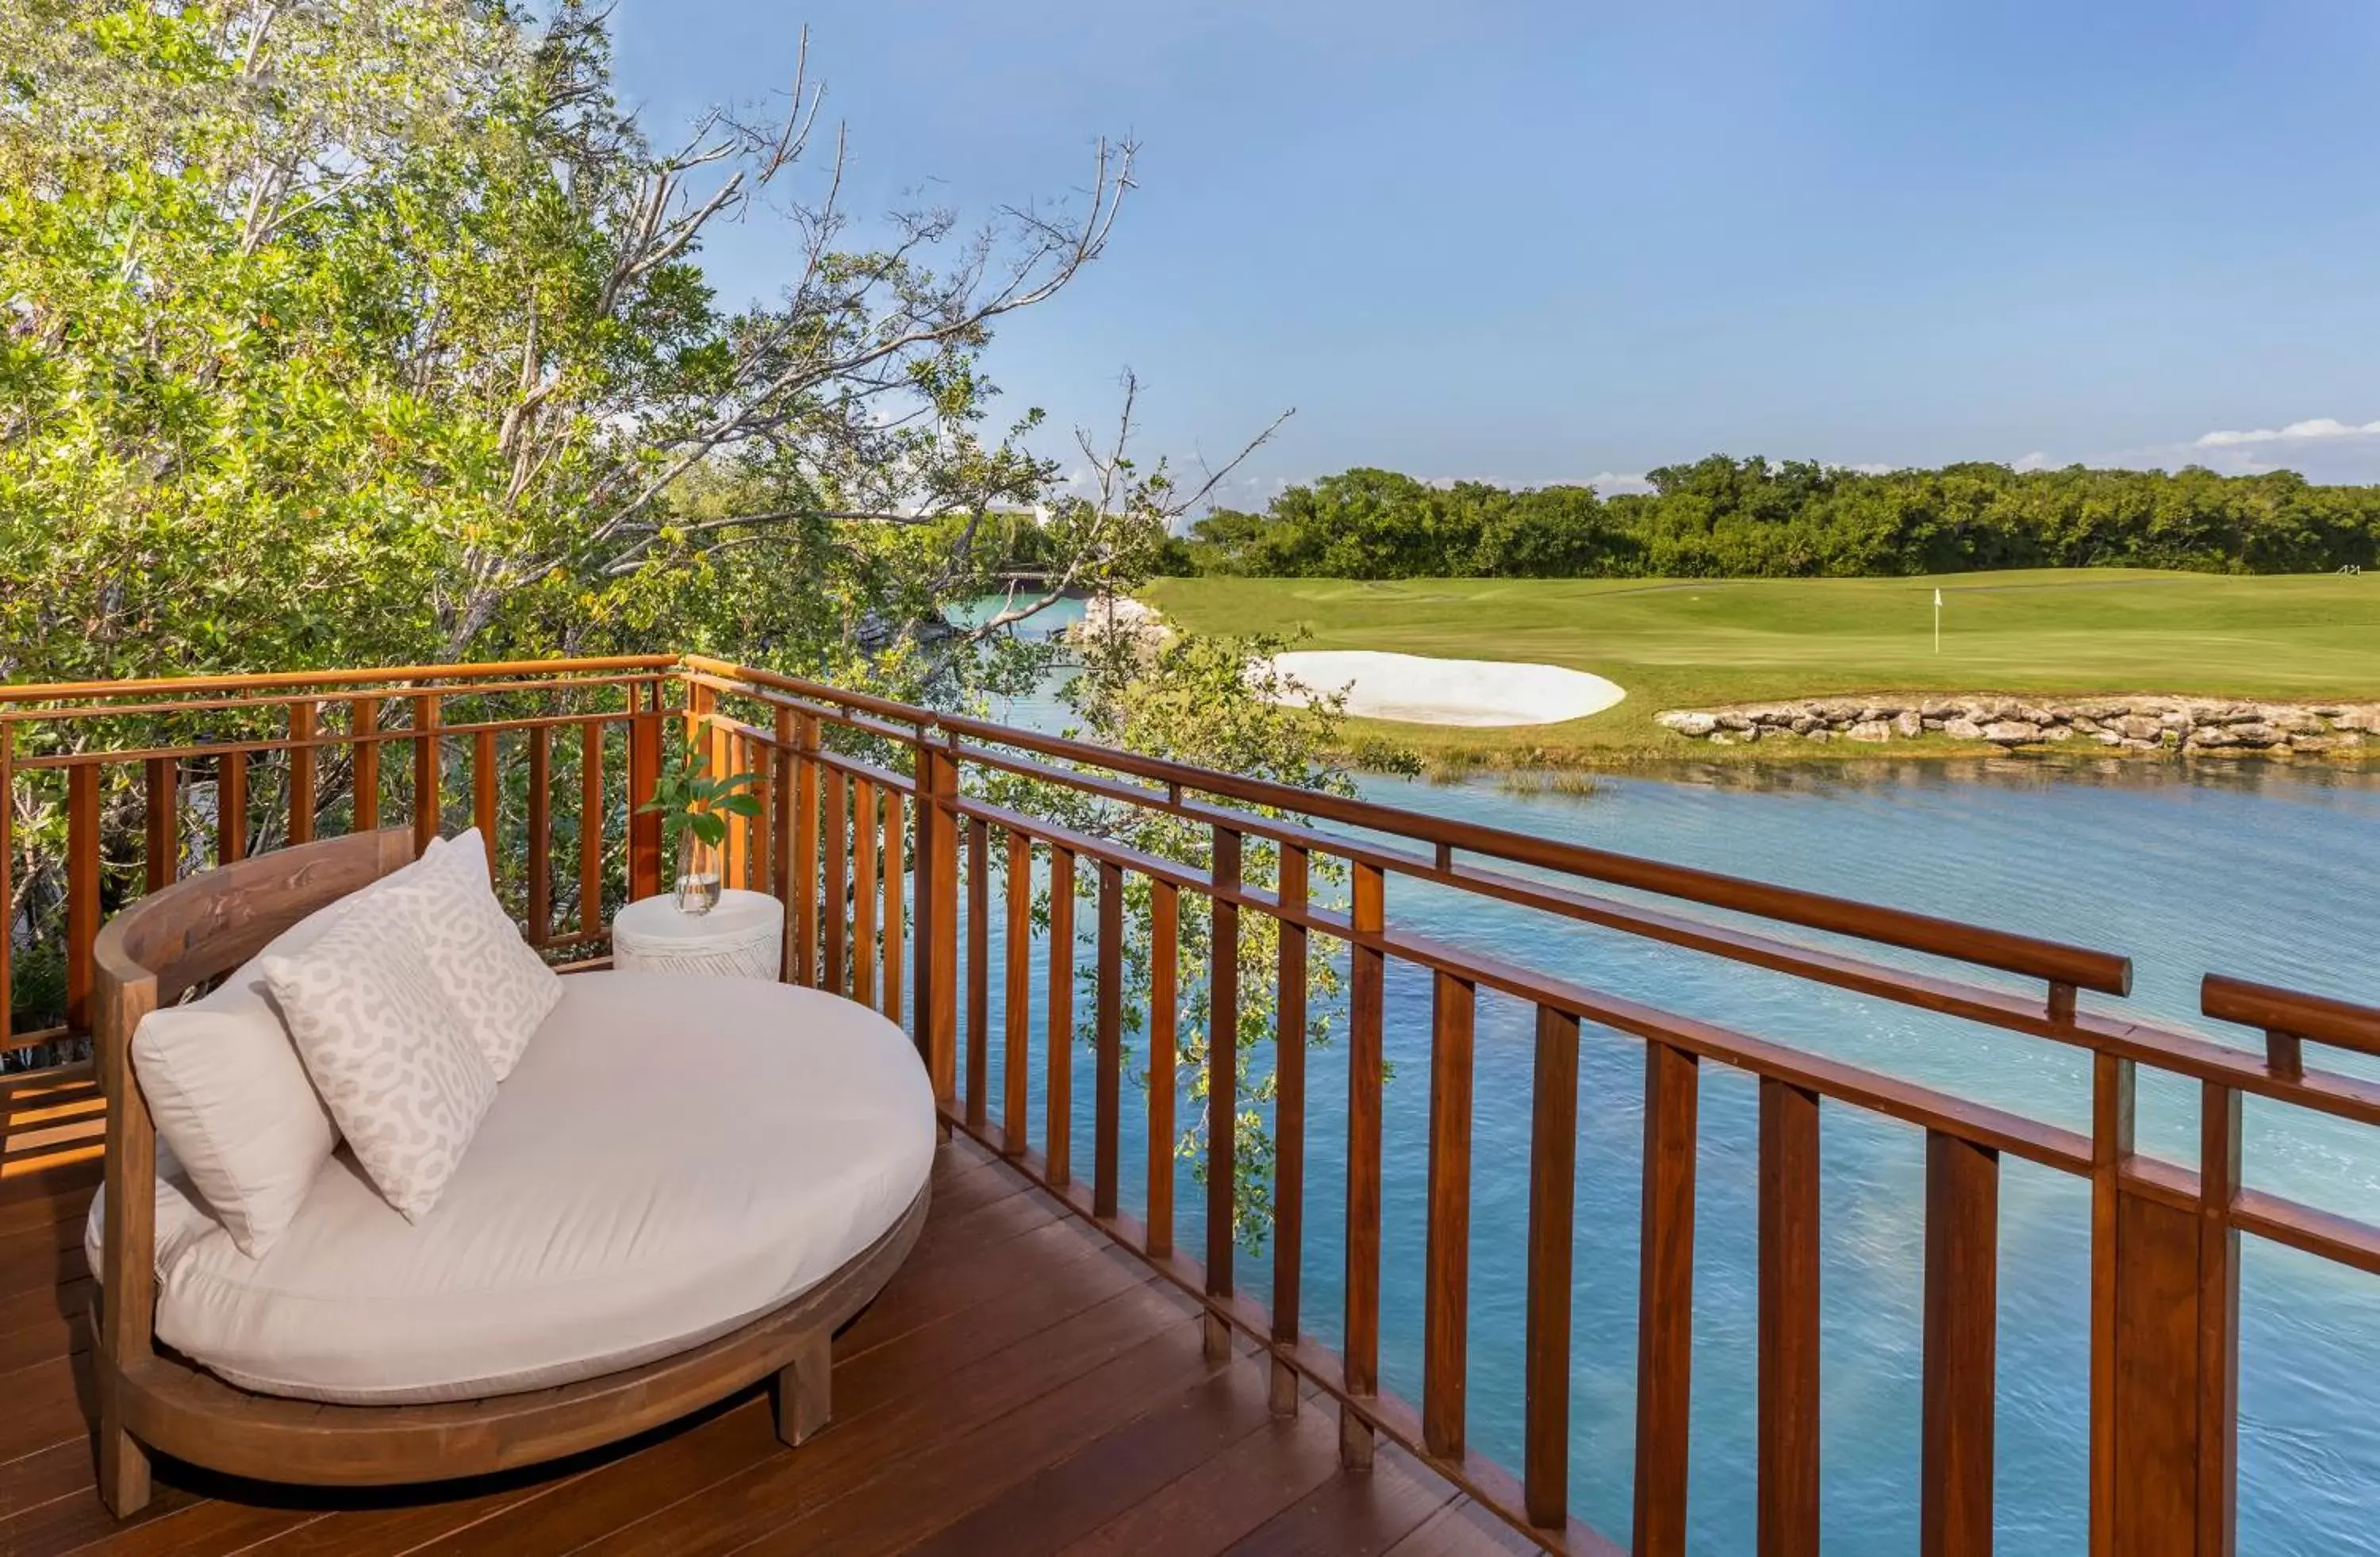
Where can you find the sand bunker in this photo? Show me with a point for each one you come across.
(1422, 690)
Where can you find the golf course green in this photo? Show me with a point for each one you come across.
(1700, 643)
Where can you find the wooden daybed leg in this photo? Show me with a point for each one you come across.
(801, 1394)
(123, 1468)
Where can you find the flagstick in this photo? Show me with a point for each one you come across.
(1937, 621)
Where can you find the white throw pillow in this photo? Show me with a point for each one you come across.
(499, 985)
(231, 1099)
(386, 1049)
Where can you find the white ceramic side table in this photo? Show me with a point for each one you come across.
(744, 937)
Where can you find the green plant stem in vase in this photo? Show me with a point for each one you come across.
(694, 809)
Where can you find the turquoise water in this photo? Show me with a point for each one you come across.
(2259, 872)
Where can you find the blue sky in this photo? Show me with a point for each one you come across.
(1541, 243)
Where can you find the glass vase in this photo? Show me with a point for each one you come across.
(700, 874)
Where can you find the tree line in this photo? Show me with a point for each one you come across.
(1724, 516)
(356, 334)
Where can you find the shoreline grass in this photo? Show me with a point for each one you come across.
(1705, 643)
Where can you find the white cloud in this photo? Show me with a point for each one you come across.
(1869, 468)
(2319, 428)
(2036, 460)
(1610, 482)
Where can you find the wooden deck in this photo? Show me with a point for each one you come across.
(1021, 1386)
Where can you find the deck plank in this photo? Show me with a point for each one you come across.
(58, 1326)
(1353, 1515)
(929, 1411)
(76, 1521)
(46, 1405)
(1461, 1529)
(1113, 1475)
(906, 1499)
(1221, 1501)
(1022, 1387)
(41, 1258)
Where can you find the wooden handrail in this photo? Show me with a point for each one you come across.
(2054, 961)
(876, 843)
(459, 671)
(2290, 1020)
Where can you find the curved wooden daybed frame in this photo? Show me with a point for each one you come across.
(153, 1400)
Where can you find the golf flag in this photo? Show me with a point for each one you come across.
(1937, 621)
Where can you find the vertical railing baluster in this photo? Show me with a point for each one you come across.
(82, 889)
(1058, 1095)
(1016, 966)
(978, 1007)
(937, 830)
(1788, 1348)
(1367, 996)
(1665, 1304)
(2164, 1336)
(8, 873)
(591, 829)
(833, 902)
(1289, 1125)
(425, 769)
(2219, 1320)
(806, 888)
(1107, 1103)
(1962, 1323)
(1445, 1293)
(162, 805)
(2112, 1092)
(1164, 1078)
(895, 916)
(735, 869)
(540, 836)
(483, 793)
(644, 774)
(694, 728)
(863, 892)
(364, 724)
(231, 807)
(785, 879)
(301, 772)
(1222, 1082)
(1553, 1180)
(761, 758)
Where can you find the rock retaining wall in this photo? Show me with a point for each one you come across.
(1103, 615)
(2211, 726)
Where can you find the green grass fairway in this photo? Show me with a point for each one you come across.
(1696, 643)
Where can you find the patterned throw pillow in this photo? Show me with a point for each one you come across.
(230, 1096)
(387, 1052)
(499, 985)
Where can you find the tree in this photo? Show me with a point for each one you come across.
(1218, 703)
(347, 333)
(1722, 516)
(371, 331)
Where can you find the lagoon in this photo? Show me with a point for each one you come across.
(2262, 870)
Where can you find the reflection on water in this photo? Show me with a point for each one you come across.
(2251, 868)
(2256, 869)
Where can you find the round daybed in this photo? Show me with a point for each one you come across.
(684, 1186)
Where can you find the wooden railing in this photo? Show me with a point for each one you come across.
(143, 781)
(882, 831)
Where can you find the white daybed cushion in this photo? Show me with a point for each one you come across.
(182, 1218)
(230, 1096)
(676, 1156)
(500, 988)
